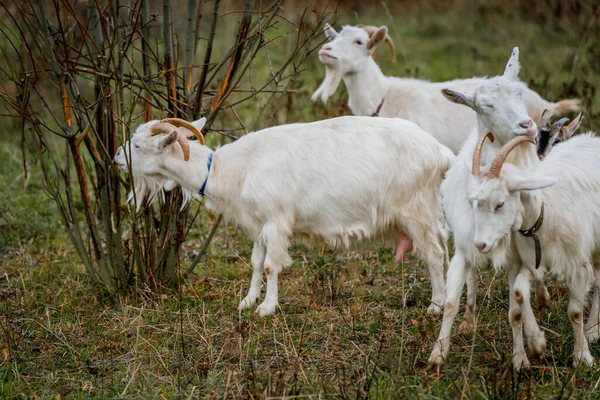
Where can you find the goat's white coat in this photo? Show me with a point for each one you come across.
(344, 180)
(568, 183)
(501, 109)
(416, 100)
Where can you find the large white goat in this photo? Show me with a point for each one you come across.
(348, 56)
(500, 107)
(345, 180)
(566, 215)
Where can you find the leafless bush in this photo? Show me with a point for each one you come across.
(79, 76)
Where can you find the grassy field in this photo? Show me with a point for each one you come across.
(351, 324)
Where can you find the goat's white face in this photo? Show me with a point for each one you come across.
(499, 103)
(142, 152)
(350, 49)
(497, 206)
(147, 154)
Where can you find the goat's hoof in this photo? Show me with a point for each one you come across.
(585, 358)
(246, 303)
(434, 309)
(466, 327)
(265, 309)
(537, 345)
(437, 360)
(520, 362)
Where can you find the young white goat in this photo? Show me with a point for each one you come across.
(345, 180)
(551, 135)
(500, 106)
(507, 202)
(348, 56)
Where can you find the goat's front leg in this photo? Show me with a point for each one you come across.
(542, 297)
(581, 352)
(536, 342)
(457, 274)
(592, 327)
(515, 318)
(257, 260)
(277, 257)
(468, 324)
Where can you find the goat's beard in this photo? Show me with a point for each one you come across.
(499, 252)
(333, 77)
(147, 189)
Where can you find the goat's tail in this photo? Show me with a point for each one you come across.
(566, 106)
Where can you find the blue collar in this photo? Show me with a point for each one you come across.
(201, 191)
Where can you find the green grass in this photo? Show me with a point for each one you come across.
(351, 324)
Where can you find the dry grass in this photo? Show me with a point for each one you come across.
(351, 324)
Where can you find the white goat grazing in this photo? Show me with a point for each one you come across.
(348, 56)
(507, 202)
(500, 106)
(345, 180)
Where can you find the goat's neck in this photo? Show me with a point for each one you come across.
(190, 175)
(366, 89)
(532, 205)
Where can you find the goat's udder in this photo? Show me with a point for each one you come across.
(403, 246)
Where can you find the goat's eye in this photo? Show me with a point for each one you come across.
(137, 146)
(499, 205)
(358, 42)
(489, 106)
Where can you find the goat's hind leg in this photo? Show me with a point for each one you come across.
(592, 327)
(257, 260)
(426, 239)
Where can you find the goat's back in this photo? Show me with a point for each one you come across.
(342, 178)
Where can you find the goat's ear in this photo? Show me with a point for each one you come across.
(330, 32)
(516, 184)
(568, 131)
(512, 66)
(546, 116)
(377, 37)
(199, 124)
(167, 140)
(459, 97)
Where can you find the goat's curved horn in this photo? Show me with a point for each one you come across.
(496, 166)
(372, 29)
(477, 155)
(184, 124)
(166, 127)
(561, 122)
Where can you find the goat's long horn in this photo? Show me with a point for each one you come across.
(477, 155)
(496, 166)
(167, 127)
(184, 124)
(561, 122)
(372, 29)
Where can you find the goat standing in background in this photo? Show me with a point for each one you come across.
(348, 56)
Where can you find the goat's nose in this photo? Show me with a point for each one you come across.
(327, 47)
(526, 124)
(480, 246)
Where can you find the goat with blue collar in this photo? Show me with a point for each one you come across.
(345, 180)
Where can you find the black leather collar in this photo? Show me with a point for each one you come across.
(532, 232)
